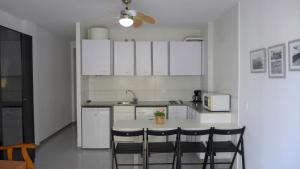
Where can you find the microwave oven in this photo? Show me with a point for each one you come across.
(216, 102)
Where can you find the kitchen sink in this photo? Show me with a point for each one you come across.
(126, 102)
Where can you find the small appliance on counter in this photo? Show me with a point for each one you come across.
(216, 102)
(197, 98)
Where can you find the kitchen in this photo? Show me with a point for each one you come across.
(133, 79)
(94, 79)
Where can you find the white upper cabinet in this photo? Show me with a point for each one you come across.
(123, 58)
(160, 58)
(185, 58)
(143, 58)
(96, 57)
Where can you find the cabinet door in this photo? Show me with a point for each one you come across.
(143, 58)
(96, 57)
(185, 58)
(177, 112)
(95, 127)
(123, 58)
(160, 58)
(148, 112)
(123, 113)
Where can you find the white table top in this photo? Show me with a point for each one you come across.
(169, 124)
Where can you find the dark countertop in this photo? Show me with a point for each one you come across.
(198, 107)
(139, 104)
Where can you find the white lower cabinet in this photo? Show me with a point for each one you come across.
(148, 112)
(123, 113)
(177, 113)
(95, 127)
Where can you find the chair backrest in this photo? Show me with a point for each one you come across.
(162, 133)
(24, 148)
(229, 131)
(120, 133)
(239, 131)
(194, 132)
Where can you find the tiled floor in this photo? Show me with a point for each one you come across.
(60, 152)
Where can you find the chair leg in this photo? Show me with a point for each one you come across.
(243, 161)
(243, 155)
(147, 160)
(116, 161)
(212, 162)
(178, 162)
(205, 160)
(174, 160)
(232, 161)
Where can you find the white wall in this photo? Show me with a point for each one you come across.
(154, 33)
(225, 60)
(52, 76)
(272, 118)
(101, 88)
(51, 73)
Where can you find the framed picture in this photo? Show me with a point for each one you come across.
(276, 60)
(258, 61)
(294, 55)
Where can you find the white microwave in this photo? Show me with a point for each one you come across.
(216, 102)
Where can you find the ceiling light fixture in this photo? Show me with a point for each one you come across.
(126, 21)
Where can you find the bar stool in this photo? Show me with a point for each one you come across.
(193, 147)
(162, 147)
(227, 146)
(127, 148)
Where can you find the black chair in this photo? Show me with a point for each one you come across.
(194, 146)
(162, 147)
(227, 146)
(128, 147)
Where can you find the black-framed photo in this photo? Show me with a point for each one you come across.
(258, 60)
(294, 55)
(276, 60)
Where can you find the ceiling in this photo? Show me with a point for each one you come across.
(59, 16)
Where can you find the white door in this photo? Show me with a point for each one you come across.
(96, 57)
(95, 127)
(143, 58)
(123, 58)
(185, 58)
(160, 58)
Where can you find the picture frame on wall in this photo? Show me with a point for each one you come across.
(294, 55)
(276, 61)
(258, 60)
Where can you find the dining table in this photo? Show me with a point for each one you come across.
(131, 125)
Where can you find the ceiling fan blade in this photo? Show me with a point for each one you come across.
(146, 18)
(137, 22)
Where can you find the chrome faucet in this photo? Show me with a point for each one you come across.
(134, 99)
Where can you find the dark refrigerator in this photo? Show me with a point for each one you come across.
(16, 90)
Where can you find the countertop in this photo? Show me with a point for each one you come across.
(139, 104)
(169, 124)
(198, 107)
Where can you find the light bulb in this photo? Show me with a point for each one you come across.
(126, 21)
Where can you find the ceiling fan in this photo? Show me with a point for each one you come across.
(132, 17)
